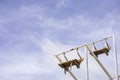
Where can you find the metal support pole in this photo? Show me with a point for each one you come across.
(99, 63)
(87, 69)
(115, 56)
(72, 75)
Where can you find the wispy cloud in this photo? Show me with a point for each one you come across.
(61, 3)
(30, 36)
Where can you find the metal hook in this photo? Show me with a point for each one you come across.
(78, 53)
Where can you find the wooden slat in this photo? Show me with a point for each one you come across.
(101, 51)
(73, 62)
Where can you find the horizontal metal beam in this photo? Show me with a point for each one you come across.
(70, 50)
(100, 40)
(83, 45)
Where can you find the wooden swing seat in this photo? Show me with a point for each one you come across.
(101, 51)
(73, 62)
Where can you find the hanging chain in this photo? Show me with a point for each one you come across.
(65, 56)
(94, 46)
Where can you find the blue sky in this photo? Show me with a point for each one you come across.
(33, 31)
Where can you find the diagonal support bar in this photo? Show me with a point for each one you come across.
(72, 75)
(99, 63)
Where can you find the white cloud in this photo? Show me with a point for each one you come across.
(44, 62)
(60, 3)
(19, 64)
(51, 48)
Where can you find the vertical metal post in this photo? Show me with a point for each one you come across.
(115, 56)
(87, 69)
(99, 63)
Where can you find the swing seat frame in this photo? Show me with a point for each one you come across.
(70, 63)
(101, 51)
